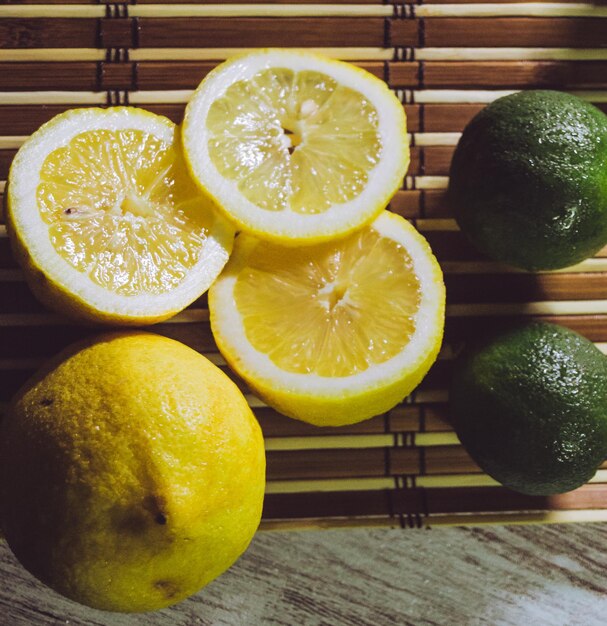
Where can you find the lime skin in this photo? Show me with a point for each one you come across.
(528, 180)
(530, 407)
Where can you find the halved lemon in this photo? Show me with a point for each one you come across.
(334, 333)
(106, 221)
(295, 147)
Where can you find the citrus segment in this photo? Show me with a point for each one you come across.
(102, 204)
(121, 209)
(287, 136)
(332, 333)
(294, 146)
(337, 292)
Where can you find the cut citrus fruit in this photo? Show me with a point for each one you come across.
(296, 147)
(106, 221)
(333, 333)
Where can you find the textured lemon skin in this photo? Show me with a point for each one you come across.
(390, 187)
(132, 473)
(358, 403)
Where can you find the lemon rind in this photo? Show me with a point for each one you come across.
(51, 277)
(339, 400)
(288, 227)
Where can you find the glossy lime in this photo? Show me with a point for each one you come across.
(530, 406)
(529, 180)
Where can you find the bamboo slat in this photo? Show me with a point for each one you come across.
(526, 9)
(416, 501)
(512, 32)
(445, 59)
(306, 9)
(478, 96)
(279, 31)
(345, 53)
(175, 74)
(510, 54)
(208, 10)
(49, 33)
(222, 32)
(454, 481)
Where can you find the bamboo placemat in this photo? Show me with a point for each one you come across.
(445, 59)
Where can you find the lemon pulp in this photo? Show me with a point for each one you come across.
(294, 140)
(121, 208)
(334, 309)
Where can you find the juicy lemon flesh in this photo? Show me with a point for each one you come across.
(335, 309)
(120, 207)
(294, 141)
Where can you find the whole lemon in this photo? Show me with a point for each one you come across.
(132, 473)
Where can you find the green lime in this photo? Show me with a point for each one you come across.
(530, 406)
(529, 180)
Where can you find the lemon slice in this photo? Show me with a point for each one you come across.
(296, 147)
(336, 332)
(106, 221)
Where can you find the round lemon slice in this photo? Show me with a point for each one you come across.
(295, 147)
(106, 221)
(333, 333)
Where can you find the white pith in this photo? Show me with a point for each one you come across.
(231, 336)
(384, 177)
(24, 179)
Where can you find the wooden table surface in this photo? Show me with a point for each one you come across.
(518, 575)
